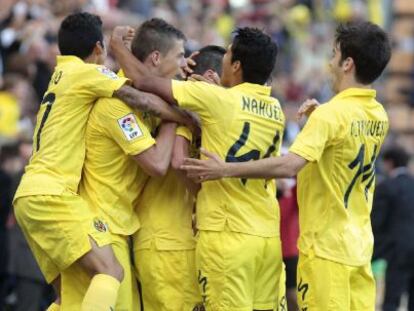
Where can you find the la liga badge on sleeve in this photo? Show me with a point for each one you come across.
(130, 127)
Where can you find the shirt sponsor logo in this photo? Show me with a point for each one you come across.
(130, 127)
(107, 72)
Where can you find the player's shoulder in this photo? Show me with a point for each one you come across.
(327, 110)
(380, 109)
(88, 70)
(110, 107)
(103, 70)
(208, 88)
(212, 86)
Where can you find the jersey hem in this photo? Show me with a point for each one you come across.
(303, 154)
(248, 232)
(143, 147)
(340, 260)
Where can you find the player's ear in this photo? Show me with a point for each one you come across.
(155, 57)
(348, 64)
(99, 48)
(209, 74)
(236, 66)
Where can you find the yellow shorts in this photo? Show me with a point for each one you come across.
(238, 272)
(75, 281)
(326, 285)
(168, 279)
(282, 304)
(57, 229)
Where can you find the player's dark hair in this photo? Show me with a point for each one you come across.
(256, 52)
(209, 57)
(154, 35)
(79, 33)
(369, 47)
(398, 156)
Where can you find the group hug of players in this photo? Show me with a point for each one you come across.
(109, 194)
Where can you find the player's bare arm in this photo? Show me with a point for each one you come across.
(136, 70)
(215, 79)
(213, 167)
(152, 104)
(180, 153)
(155, 161)
(187, 71)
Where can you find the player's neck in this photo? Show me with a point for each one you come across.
(350, 82)
(91, 59)
(153, 70)
(236, 81)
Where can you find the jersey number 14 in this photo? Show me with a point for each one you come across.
(366, 172)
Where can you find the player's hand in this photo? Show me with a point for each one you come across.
(122, 33)
(307, 108)
(127, 39)
(215, 79)
(212, 168)
(187, 71)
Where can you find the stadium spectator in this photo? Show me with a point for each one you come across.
(5, 207)
(393, 225)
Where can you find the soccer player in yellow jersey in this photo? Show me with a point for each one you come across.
(164, 246)
(121, 154)
(60, 228)
(334, 155)
(238, 253)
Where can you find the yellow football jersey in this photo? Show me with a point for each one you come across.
(341, 139)
(165, 211)
(9, 115)
(112, 180)
(59, 137)
(239, 124)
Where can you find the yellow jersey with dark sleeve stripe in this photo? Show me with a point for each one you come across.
(239, 124)
(165, 211)
(112, 180)
(341, 140)
(59, 136)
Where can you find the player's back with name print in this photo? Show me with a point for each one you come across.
(256, 133)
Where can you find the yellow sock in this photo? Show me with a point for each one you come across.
(53, 307)
(101, 294)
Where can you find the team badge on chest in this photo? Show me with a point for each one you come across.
(99, 225)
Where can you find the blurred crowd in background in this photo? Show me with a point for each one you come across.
(303, 29)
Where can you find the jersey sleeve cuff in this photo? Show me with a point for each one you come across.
(306, 154)
(140, 147)
(184, 132)
(117, 84)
